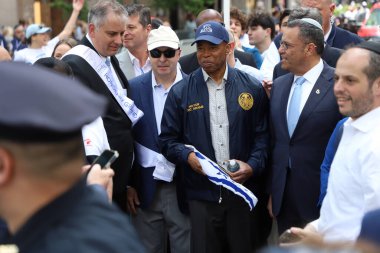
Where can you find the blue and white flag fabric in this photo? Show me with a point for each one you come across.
(216, 175)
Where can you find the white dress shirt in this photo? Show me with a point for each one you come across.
(272, 57)
(139, 70)
(95, 139)
(311, 78)
(354, 183)
(160, 95)
(31, 55)
(249, 70)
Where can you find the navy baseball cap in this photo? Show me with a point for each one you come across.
(211, 31)
(38, 105)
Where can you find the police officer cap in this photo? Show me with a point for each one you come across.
(370, 45)
(37, 105)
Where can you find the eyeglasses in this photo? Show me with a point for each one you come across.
(169, 53)
(285, 45)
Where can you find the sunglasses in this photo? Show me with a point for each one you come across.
(169, 53)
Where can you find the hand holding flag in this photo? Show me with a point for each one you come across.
(218, 176)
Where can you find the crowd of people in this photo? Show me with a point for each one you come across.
(258, 132)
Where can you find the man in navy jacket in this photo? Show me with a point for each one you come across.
(223, 113)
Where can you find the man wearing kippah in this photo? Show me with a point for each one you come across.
(44, 198)
(334, 36)
(353, 187)
(156, 189)
(303, 113)
(222, 112)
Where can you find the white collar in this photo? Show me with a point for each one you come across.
(206, 76)
(365, 122)
(178, 78)
(89, 39)
(134, 59)
(326, 36)
(313, 74)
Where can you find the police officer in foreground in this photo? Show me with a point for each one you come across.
(43, 196)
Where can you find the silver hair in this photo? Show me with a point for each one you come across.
(98, 13)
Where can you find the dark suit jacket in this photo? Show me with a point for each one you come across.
(116, 122)
(145, 133)
(341, 38)
(189, 62)
(305, 149)
(330, 56)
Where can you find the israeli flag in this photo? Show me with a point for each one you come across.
(216, 175)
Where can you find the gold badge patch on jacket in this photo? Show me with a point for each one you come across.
(194, 107)
(246, 101)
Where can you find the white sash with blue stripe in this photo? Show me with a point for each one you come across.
(97, 63)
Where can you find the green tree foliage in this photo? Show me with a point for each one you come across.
(67, 8)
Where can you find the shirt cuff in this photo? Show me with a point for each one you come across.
(314, 224)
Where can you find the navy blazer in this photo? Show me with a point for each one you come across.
(341, 38)
(145, 133)
(305, 149)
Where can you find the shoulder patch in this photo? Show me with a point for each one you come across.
(245, 101)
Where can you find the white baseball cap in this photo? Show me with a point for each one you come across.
(163, 36)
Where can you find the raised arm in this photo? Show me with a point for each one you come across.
(70, 25)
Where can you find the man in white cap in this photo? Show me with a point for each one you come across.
(155, 186)
(37, 37)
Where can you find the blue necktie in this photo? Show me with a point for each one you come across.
(108, 62)
(294, 110)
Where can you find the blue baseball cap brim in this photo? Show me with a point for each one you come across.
(36, 29)
(208, 38)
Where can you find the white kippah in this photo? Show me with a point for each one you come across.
(312, 22)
